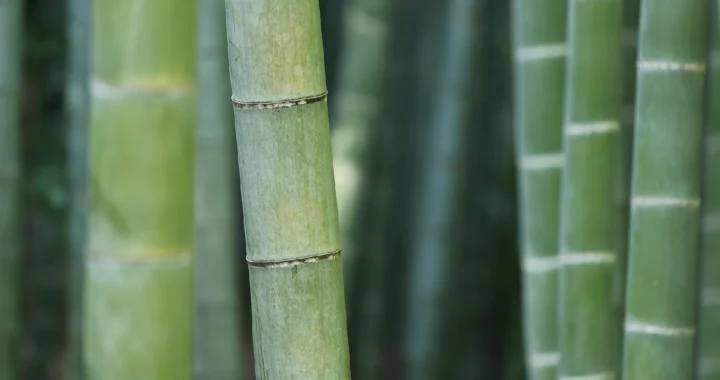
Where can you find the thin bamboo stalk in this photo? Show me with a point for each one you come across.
(588, 324)
(138, 298)
(217, 339)
(290, 210)
(665, 199)
(10, 71)
(540, 51)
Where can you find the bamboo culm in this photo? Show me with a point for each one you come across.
(665, 199)
(217, 340)
(10, 71)
(77, 98)
(540, 52)
(288, 190)
(588, 255)
(138, 295)
(431, 253)
(708, 356)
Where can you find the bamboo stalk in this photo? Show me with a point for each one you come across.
(708, 357)
(588, 324)
(540, 52)
(432, 254)
(77, 98)
(10, 71)
(217, 339)
(665, 200)
(290, 209)
(138, 299)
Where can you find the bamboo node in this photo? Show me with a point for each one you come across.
(532, 264)
(609, 375)
(542, 161)
(286, 103)
(583, 258)
(659, 201)
(540, 52)
(294, 261)
(544, 359)
(638, 327)
(698, 67)
(592, 128)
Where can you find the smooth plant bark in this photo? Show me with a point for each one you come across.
(588, 326)
(431, 254)
(540, 52)
(289, 205)
(77, 103)
(138, 298)
(10, 70)
(708, 356)
(665, 199)
(217, 340)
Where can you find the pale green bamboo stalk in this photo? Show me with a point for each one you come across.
(708, 356)
(665, 199)
(217, 339)
(138, 298)
(77, 98)
(289, 205)
(589, 250)
(432, 251)
(540, 51)
(10, 71)
(362, 68)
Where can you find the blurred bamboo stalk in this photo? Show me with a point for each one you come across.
(138, 298)
(540, 51)
(10, 167)
(217, 339)
(665, 221)
(289, 203)
(588, 328)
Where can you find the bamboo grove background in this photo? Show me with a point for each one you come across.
(496, 173)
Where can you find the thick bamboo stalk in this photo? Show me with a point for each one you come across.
(78, 18)
(588, 325)
(138, 299)
(540, 51)
(290, 210)
(431, 253)
(217, 350)
(708, 356)
(665, 199)
(10, 69)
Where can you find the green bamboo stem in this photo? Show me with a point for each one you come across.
(290, 210)
(363, 64)
(10, 69)
(708, 357)
(432, 254)
(588, 324)
(540, 51)
(665, 199)
(217, 350)
(138, 298)
(77, 98)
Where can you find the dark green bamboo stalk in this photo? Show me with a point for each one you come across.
(290, 210)
(540, 51)
(439, 188)
(217, 350)
(664, 226)
(77, 98)
(708, 357)
(10, 51)
(138, 299)
(588, 325)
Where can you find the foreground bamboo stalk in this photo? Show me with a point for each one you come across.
(10, 68)
(217, 340)
(287, 184)
(540, 52)
(588, 325)
(78, 18)
(138, 299)
(664, 226)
